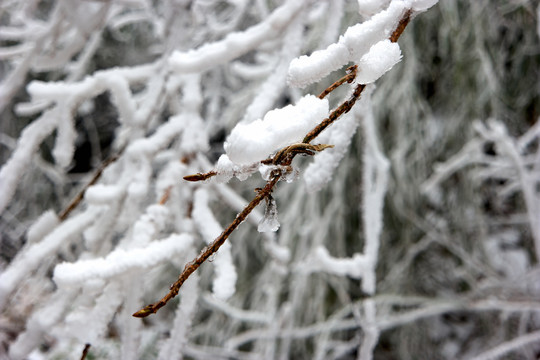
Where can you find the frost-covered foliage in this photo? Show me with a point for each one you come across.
(417, 236)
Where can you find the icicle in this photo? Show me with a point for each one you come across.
(270, 221)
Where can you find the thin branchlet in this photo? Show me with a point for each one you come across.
(345, 107)
(85, 351)
(80, 195)
(209, 250)
(401, 26)
(349, 78)
(166, 195)
(200, 176)
(283, 157)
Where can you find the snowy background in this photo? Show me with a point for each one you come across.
(417, 236)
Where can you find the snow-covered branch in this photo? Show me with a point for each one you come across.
(404, 235)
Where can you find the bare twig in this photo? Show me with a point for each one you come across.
(351, 75)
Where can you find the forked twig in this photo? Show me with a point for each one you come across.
(348, 104)
(282, 157)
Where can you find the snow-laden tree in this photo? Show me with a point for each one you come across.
(409, 229)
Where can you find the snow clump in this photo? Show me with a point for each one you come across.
(255, 141)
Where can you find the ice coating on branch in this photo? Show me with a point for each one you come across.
(374, 184)
(381, 58)
(249, 143)
(226, 169)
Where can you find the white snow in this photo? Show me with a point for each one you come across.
(103, 194)
(226, 169)
(356, 41)
(28, 260)
(354, 267)
(375, 182)
(88, 325)
(27, 145)
(288, 173)
(224, 284)
(121, 261)
(182, 320)
(257, 140)
(42, 226)
(371, 7)
(381, 58)
(64, 146)
(235, 44)
(321, 170)
(422, 5)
